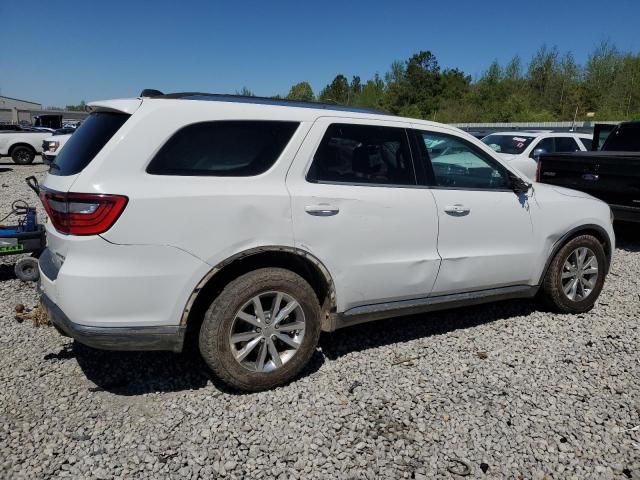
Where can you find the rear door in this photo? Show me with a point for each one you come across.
(357, 207)
(485, 235)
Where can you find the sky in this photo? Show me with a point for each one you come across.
(61, 52)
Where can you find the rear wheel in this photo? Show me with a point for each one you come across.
(23, 155)
(576, 276)
(261, 330)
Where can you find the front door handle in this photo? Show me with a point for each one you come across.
(321, 210)
(457, 209)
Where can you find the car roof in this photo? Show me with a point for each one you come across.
(533, 134)
(306, 110)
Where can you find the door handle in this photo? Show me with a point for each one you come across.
(457, 209)
(321, 210)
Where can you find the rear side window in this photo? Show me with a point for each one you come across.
(363, 154)
(86, 142)
(566, 144)
(223, 149)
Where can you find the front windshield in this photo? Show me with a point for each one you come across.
(511, 144)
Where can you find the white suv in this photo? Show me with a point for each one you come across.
(523, 149)
(250, 225)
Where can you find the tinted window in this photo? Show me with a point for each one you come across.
(546, 144)
(86, 142)
(587, 142)
(512, 144)
(459, 164)
(566, 144)
(224, 149)
(363, 154)
(626, 138)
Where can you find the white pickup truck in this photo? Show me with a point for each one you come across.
(22, 145)
(51, 146)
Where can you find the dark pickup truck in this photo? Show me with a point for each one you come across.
(611, 174)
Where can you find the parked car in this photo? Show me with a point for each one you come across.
(22, 145)
(522, 149)
(611, 174)
(51, 146)
(250, 225)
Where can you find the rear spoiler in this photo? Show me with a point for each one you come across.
(123, 105)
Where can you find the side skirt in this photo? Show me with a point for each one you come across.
(379, 311)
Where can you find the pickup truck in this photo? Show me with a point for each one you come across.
(611, 174)
(22, 145)
(51, 146)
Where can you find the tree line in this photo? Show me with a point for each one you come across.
(552, 86)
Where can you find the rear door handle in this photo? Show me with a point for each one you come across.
(321, 210)
(457, 209)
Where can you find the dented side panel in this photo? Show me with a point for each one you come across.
(381, 245)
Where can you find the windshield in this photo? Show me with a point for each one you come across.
(512, 144)
(86, 142)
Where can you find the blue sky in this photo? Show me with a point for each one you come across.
(61, 52)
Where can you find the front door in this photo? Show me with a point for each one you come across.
(485, 235)
(357, 207)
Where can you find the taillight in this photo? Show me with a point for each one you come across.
(82, 213)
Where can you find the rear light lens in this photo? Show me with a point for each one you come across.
(82, 213)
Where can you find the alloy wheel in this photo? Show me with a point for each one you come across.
(267, 331)
(579, 274)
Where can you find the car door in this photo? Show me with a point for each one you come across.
(485, 234)
(357, 207)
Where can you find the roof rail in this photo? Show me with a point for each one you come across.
(221, 97)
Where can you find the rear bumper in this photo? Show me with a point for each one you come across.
(623, 213)
(115, 338)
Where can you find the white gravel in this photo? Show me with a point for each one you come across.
(509, 391)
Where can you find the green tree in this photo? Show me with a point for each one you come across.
(337, 92)
(301, 92)
(245, 92)
(81, 107)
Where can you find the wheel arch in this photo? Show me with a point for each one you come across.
(21, 144)
(589, 229)
(297, 260)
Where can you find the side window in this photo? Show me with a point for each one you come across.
(363, 154)
(546, 144)
(566, 144)
(587, 142)
(458, 164)
(224, 149)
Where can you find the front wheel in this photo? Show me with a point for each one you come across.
(575, 277)
(23, 155)
(261, 330)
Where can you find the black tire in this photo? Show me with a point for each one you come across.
(26, 269)
(23, 155)
(552, 294)
(219, 320)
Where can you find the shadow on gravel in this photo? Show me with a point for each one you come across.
(403, 329)
(137, 373)
(627, 236)
(7, 272)
(6, 169)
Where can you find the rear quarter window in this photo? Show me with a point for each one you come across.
(86, 142)
(223, 148)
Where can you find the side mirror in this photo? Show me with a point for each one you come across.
(537, 152)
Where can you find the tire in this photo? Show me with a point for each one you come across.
(222, 324)
(553, 294)
(26, 269)
(23, 155)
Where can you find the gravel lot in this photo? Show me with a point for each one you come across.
(509, 391)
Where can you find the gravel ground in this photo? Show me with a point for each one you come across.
(509, 391)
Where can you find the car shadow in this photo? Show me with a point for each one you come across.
(5, 169)
(403, 329)
(138, 373)
(627, 236)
